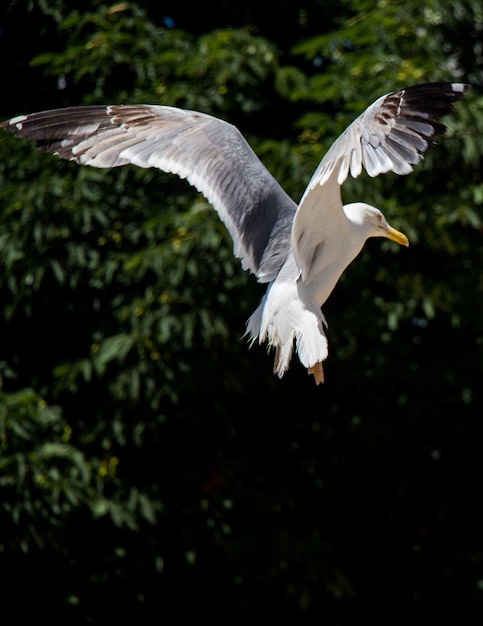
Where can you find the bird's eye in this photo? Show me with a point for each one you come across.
(379, 217)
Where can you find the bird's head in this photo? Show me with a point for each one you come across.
(373, 222)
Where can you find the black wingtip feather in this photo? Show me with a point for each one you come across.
(435, 99)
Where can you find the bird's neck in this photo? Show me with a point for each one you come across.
(334, 258)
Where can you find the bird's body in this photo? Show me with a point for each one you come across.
(291, 308)
(299, 250)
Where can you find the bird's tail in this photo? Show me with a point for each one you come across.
(280, 322)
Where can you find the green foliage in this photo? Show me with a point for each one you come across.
(119, 46)
(150, 461)
(43, 477)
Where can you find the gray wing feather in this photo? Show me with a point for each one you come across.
(391, 135)
(210, 153)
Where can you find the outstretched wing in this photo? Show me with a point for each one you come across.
(392, 134)
(210, 153)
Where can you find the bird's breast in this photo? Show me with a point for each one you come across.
(328, 265)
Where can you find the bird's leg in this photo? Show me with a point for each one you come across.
(276, 360)
(317, 371)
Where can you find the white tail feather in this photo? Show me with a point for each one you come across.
(283, 316)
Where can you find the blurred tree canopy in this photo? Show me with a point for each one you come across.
(151, 465)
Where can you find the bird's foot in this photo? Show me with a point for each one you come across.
(317, 371)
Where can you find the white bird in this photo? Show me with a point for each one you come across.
(299, 250)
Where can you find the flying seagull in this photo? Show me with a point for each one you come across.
(299, 250)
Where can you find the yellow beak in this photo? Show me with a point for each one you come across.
(395, 235)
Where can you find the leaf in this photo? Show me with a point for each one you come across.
(113, 348)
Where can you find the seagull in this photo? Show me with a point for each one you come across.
(299, 250)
